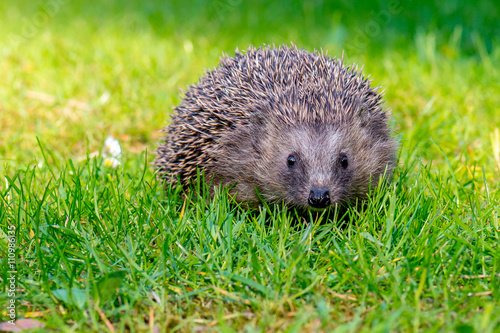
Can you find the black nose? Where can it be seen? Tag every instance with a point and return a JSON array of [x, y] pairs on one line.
[[319, 198]]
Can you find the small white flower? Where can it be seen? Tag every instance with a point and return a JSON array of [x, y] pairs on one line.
[[112, 152], [111, 162]]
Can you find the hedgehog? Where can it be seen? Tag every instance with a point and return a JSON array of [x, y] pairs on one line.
[[281, 125]]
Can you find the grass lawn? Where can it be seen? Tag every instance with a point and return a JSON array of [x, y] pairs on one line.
[[101, 249]]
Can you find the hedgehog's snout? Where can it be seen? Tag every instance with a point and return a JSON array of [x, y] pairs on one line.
[[319, 198]]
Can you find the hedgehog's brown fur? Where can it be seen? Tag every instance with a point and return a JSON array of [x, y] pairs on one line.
[[242, 122]]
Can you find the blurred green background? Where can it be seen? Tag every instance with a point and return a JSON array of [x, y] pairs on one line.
[[74, 72]]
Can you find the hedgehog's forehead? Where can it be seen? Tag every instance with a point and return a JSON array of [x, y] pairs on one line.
[[312, 136]]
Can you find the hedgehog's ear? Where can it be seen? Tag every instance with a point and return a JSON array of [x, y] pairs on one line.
[[363, 113], [259, 120]]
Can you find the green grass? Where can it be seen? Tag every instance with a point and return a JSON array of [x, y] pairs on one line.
[[98, 246]]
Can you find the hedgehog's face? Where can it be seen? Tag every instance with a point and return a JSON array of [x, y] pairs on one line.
[[320, 166]]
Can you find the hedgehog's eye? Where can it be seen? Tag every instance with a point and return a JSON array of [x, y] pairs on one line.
[[291, 161], [344, 162]]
